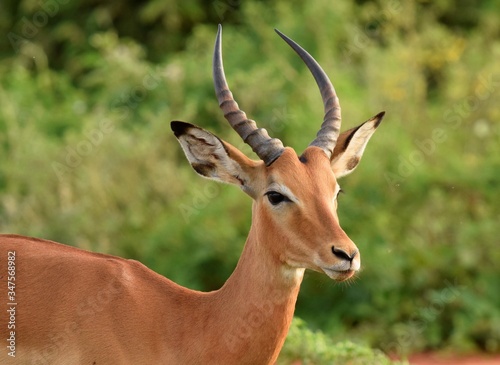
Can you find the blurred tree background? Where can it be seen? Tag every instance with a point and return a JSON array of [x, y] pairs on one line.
[[88, 88]]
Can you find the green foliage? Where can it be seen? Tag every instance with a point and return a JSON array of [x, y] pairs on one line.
[[307, 347], [87, 157]]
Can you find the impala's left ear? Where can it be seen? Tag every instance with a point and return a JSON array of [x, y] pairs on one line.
[[351, 145]]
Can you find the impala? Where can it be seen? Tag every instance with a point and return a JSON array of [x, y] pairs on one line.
[[71, 306]]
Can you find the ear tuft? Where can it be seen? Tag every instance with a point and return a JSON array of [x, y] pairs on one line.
[[378, 119], [179, 128]]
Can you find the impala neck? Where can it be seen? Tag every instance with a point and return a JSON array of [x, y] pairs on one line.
[[260, 296]]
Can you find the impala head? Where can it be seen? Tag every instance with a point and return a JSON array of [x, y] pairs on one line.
[[295, 197]]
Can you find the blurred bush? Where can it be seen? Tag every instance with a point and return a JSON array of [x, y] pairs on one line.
[[306, 347], [88, 158]]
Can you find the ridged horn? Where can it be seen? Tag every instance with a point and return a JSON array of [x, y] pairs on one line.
[[330, 128], [268, 149]]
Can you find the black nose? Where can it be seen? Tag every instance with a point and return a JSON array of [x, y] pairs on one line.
[[341, 254]]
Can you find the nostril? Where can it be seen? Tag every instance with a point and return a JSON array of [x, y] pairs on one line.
[[342, 254]]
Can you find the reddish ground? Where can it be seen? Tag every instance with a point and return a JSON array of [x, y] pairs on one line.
[[434, 359]]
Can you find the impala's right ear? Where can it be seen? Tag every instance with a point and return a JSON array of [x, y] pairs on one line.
[[215, 159]]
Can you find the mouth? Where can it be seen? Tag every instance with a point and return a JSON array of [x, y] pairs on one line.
[[339, 275]]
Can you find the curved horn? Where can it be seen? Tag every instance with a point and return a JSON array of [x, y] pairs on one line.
[[268, 149], [330, 129]]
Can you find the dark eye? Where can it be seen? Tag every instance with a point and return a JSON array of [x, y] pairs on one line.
[[275, 198]]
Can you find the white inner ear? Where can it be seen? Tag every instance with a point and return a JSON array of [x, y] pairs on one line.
[[209, 158], [201, 146], [347, 161]]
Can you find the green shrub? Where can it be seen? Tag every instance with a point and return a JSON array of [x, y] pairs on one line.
[[307, 347]]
